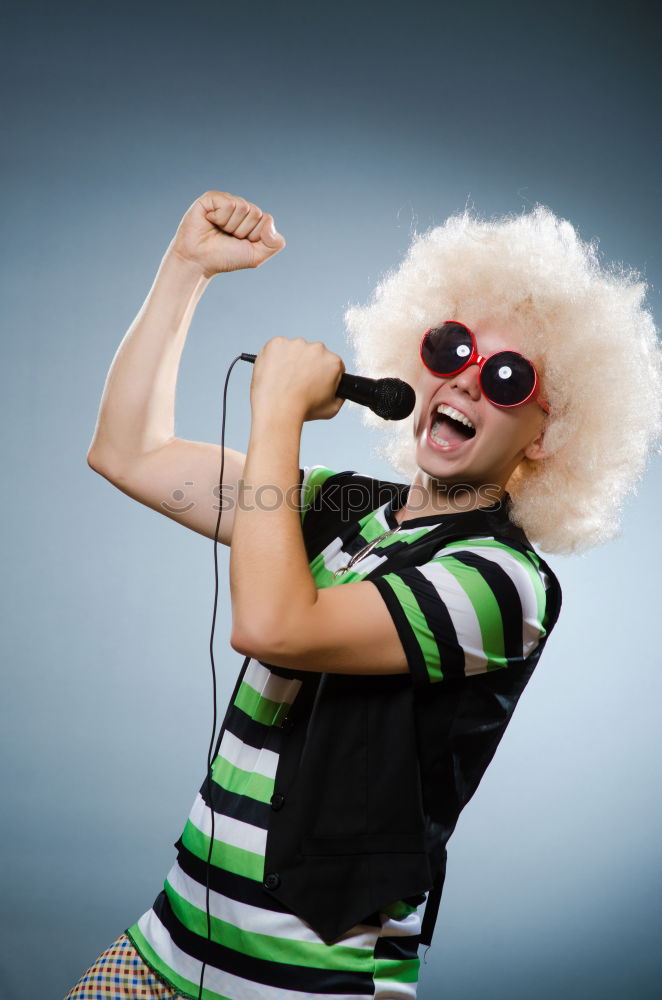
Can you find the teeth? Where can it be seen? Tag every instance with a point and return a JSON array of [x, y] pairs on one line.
[[449, 411], [438, 440]]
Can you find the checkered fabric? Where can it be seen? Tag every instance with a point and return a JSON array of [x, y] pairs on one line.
[[120, 974]]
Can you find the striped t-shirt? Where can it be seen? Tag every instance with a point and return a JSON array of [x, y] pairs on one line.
[[477, 605]]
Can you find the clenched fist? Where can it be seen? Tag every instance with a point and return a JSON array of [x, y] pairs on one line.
[[222, 232]]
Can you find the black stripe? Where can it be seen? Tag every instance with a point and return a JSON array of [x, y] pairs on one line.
[[438, 620], [397, 948], [415, 659], [279, 975], [392, 546], [255, 734], [236, 806], [507, 597], [243, 890]]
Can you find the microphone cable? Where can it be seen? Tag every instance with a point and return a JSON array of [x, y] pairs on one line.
[[212, 741], [390, 398]]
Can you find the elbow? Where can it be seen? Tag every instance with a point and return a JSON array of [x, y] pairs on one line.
[[97, 460], [240, 642], [260, 640], [104, 464], [94, 460]]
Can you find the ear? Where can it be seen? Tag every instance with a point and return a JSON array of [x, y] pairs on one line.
[[535, 450]]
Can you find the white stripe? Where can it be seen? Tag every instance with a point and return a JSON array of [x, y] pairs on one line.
[[361, 566], [386, 989], [307, 472], [248, 758], [227, 830], [531, 626], [223, 983], [335, 557], [462, 613], [409, 925], [270, 685], [255, 920]]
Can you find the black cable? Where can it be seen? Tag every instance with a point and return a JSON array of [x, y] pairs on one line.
[[210, 752]]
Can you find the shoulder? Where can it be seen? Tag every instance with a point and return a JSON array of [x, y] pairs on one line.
[[331, 500], [323, 486]]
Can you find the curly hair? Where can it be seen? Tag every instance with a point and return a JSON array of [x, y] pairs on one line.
[[584, 325]]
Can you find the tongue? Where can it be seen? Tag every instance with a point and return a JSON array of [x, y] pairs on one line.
[[448, 430]]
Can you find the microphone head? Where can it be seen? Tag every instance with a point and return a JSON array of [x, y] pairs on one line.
[[394, 399]]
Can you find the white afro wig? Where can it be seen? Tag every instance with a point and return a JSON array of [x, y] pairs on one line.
[[584, 326]]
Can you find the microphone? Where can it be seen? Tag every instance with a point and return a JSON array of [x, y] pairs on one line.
[[389, 398]]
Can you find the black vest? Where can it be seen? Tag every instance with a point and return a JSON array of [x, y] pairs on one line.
[[374, 772]]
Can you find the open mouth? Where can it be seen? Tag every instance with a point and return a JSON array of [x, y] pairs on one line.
[[449, 428]]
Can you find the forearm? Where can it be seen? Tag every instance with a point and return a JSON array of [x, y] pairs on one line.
[[270, 582], [137, 411]]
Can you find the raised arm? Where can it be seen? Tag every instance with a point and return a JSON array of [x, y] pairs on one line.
[[134, 444]]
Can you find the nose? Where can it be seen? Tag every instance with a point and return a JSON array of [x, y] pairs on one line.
[[468, 381]]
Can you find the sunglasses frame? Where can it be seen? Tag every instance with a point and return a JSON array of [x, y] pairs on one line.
[[479, 359]]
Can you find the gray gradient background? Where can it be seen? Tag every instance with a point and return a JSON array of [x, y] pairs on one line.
[[355, 124]]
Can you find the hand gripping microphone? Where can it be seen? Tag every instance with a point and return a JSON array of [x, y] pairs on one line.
[[389, 398]]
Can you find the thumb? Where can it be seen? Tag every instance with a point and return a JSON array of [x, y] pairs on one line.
[[269, 235]]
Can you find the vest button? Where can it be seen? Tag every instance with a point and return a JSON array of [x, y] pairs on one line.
[[272, 881], [277, 801], [287, 724]]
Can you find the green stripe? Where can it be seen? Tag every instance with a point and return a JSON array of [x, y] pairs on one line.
[[486, 608], [258, 707], [266, 947], [232, 859], [317, 476], [403, 970], [156, 963], [321, 575], [324, 577], [370, 527], [234, 779], [417, 620], [398, 910], [538, 586]]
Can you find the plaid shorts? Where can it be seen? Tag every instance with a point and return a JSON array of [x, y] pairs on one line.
[[120, 974]]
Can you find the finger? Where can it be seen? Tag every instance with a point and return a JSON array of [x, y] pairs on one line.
[[268, 235], [218, 207], [229, 213], [241, 210], [256, 232], [249, 223]]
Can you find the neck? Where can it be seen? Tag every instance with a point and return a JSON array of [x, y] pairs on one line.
[[428, 497]]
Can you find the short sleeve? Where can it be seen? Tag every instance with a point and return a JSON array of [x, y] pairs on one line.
[[331, 501], [311, 480], [476, 606]]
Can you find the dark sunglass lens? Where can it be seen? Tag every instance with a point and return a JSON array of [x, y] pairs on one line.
[[446, 348], [508, 378]]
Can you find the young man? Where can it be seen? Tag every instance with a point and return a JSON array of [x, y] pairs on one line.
[[388, 629]]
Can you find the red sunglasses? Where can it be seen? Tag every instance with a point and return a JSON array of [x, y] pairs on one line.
[[507, 378]]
